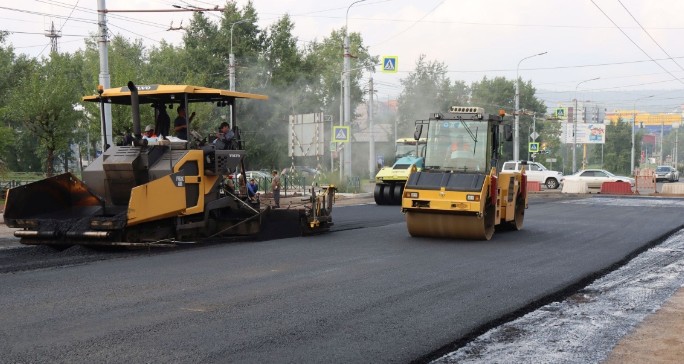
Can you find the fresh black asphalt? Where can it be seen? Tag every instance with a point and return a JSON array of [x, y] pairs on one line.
[[367, 292]]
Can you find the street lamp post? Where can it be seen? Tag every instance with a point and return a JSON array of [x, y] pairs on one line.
[[516, 127], [632, 162], [675, 149], [662, 139], [347, 91], [574, 128]]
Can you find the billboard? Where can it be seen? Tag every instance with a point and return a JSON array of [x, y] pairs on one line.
[[306, 135], [589, 133]]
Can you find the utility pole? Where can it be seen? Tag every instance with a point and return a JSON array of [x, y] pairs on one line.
[[534, 129], [340, 156], [574, 130], [347, 93], [675, 126], [634, 120], [662, 130], [103, 43], [347, 104], [371, 140], [516, 123], [231, 70], [231, 56]]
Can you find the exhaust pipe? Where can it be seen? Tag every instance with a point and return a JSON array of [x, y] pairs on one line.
[[135, 109]]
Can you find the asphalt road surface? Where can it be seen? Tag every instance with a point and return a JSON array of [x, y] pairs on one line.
[[366, 292]]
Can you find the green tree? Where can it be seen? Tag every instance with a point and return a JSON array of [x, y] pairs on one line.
[[166, 65], [13, 71], [618, 147], [427, 89], [499, 93], [49, 113], [324, 65], [280, 67]]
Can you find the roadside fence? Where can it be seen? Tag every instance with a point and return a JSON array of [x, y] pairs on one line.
[[354, 184]]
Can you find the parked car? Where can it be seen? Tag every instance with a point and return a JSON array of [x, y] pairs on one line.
[[257, 175], [301, 171], [666, 173], [536, 172], [595, 177]]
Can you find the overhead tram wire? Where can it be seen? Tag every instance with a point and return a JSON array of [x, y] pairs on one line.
[[42, 45], [561, 67], [410, 26], [43, 33], [81, 20], [604, 78], [489, 25], [635, 44], [614, 87], [134, 33], [89, 21], [109, 15], [650, 36]]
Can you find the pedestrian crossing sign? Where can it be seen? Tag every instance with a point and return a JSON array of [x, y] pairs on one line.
[[533, 147], [341, 134], [389, 64]]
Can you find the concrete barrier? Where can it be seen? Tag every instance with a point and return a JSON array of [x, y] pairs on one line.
[[574, 187], [673, 189], [533, 186], [616, 188], [645, 182]]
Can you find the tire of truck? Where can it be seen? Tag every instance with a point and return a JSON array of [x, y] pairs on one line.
[[378, 194], [398, 192], [552, 183], [387, 195]]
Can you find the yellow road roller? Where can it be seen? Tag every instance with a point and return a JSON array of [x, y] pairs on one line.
[[459, 194]]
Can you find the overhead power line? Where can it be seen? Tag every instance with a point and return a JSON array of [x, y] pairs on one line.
[[410, 26], [94, 11], [43, 33], [82, 20], [635, 44], [650, 36]]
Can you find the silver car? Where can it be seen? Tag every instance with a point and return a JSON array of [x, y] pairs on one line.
[[666, 173]]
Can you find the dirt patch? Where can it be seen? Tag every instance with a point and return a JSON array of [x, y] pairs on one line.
[[657, 340]]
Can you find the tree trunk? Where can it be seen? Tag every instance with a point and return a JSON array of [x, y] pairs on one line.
[[49, 168]]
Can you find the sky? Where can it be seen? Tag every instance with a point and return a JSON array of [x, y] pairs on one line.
[[631, 46]]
